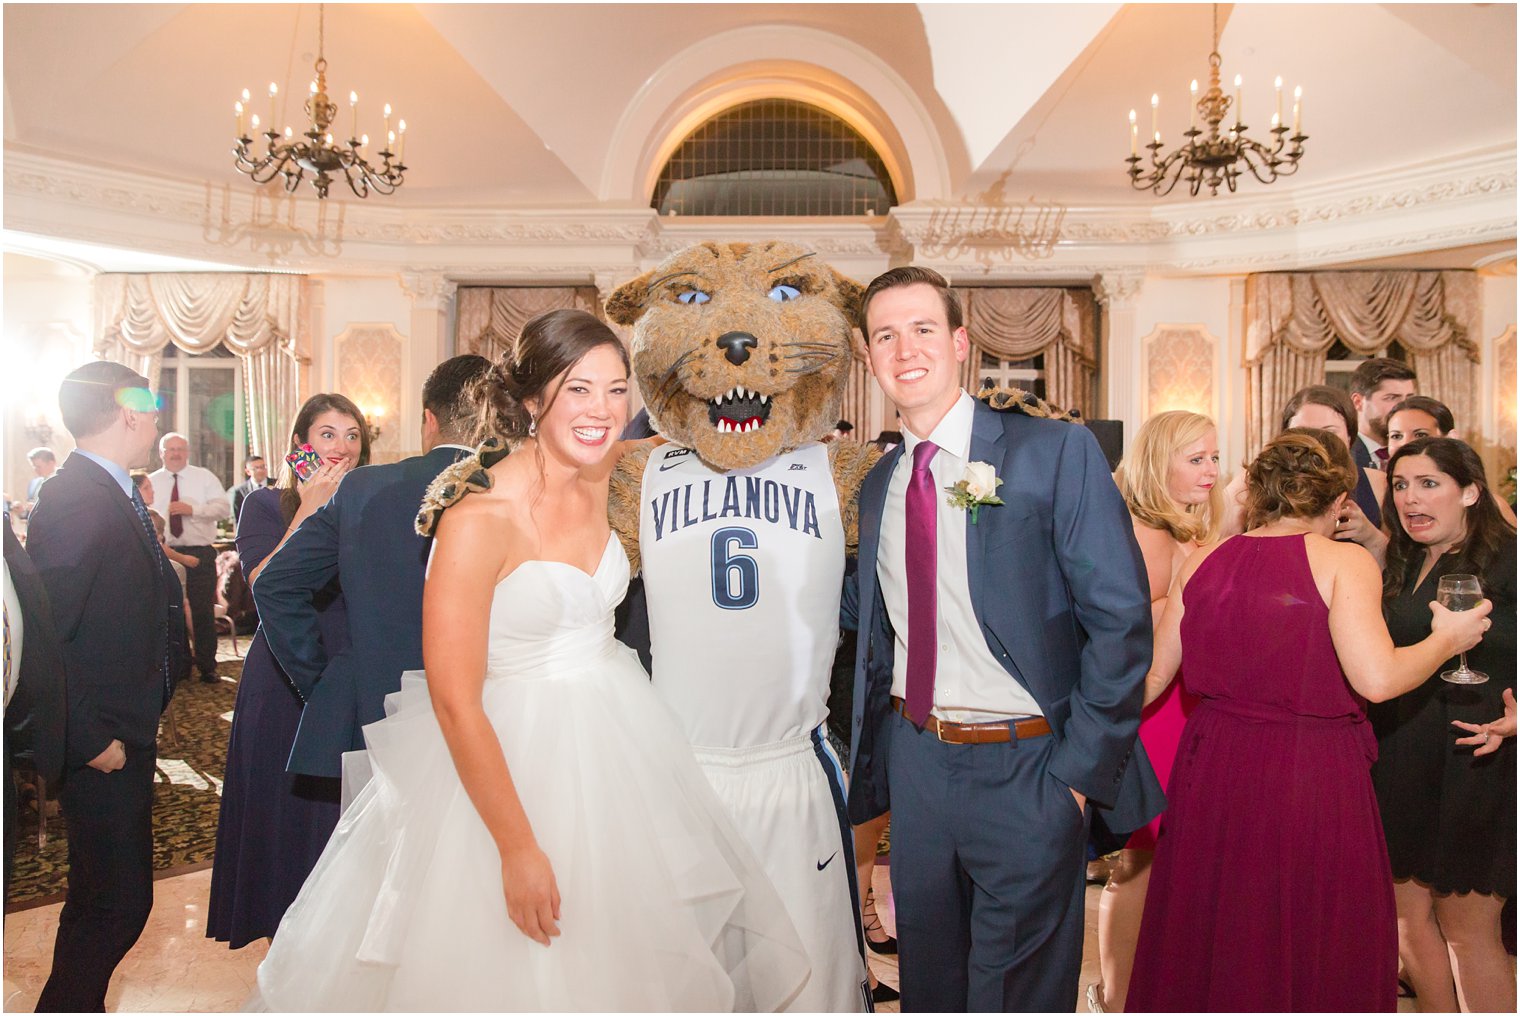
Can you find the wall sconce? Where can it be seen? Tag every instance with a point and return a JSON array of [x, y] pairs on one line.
[[373, 417]]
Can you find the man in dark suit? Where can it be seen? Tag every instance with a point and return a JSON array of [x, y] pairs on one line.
[[1377, 385], [365, 536], [34, 693], [116, 604], [1000, 670], [256, 471]]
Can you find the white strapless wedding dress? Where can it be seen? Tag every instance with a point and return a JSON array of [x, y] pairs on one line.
[[662, 905]]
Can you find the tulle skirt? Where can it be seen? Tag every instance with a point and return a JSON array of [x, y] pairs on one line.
[[662, 905]]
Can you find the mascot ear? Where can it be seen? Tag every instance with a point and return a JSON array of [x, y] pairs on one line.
[[845, 294], [627, 303]]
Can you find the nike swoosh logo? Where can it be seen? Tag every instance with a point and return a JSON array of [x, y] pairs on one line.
[[824, 864]]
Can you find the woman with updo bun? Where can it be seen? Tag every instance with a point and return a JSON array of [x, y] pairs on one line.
[[536, 835], [1271, 889]]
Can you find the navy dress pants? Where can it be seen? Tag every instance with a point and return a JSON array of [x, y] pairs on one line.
[[110, 827], [988, 875]]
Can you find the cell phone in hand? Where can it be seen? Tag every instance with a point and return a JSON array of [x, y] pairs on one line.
[[305, 461]]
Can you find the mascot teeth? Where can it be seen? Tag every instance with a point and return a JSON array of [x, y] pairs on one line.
[[739, 411]]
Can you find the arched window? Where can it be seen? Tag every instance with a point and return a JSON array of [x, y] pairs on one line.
[[774, 157]]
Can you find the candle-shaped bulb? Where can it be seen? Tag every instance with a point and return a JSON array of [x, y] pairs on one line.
[[328, 137], [353, 98], [313, 88], [387, 109], [1193, 87], [1277, 83], [1131, 118], [390, 139], [287, 133], [1298, 92], [1237, 81], [245, 95], [363, 140], [401, 127], [237, 107], [255, 123], [1155, 101], [274, 89]]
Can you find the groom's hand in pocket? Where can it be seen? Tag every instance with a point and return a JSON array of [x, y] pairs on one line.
[[532, 895]]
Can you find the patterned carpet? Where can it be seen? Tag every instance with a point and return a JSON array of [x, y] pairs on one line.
[[186, 798]]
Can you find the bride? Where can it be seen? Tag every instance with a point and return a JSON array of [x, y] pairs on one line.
[[535, 834]]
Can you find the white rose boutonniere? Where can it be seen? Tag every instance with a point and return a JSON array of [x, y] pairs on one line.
[[975, 489]]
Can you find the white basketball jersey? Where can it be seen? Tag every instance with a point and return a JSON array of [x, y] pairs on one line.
[[742, 572]]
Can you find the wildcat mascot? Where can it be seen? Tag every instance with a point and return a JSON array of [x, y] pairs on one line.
[[742, 524]]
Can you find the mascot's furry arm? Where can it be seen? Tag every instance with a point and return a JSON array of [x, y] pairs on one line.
[[623, 500], [851, 462]]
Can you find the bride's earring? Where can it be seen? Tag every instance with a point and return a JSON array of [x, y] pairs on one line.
[[532, 426]]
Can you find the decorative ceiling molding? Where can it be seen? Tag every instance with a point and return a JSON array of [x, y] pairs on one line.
[[1460, 201]]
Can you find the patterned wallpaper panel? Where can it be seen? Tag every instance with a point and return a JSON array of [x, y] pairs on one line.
[[1179, 370], [369, 369]]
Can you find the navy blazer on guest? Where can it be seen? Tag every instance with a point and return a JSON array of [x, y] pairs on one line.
[[1059, 588], [109, 587], [365, 538]]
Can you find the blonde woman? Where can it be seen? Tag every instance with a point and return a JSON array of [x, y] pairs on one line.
[[1170, 481]]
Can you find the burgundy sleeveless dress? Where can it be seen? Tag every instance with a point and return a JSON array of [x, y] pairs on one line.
[[1271, 889]]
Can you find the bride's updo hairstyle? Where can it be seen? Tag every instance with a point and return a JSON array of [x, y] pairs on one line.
[[1298, 475], [549, 345]]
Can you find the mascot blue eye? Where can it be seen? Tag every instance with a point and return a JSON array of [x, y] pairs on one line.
[[693, 296], [784, 293]]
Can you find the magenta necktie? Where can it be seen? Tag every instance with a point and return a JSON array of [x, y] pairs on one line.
[[922, 556]]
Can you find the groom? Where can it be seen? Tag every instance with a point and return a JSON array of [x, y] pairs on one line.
[[999, 673]]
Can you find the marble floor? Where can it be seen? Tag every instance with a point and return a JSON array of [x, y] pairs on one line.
[[174, 968]]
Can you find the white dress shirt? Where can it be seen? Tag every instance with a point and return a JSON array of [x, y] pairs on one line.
[[970, 685], [199, 488]]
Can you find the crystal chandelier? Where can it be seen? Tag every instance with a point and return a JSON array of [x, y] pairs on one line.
[[1210, 157], [318, 153]]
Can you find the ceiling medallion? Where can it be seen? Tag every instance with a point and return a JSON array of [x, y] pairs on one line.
[[319, 154], [1210, 157]]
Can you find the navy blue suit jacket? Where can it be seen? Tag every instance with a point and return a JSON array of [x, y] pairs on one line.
[[365, 538], [1059, 588], [109, 588]]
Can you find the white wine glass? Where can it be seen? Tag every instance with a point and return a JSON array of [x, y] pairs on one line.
[[1460, 592]]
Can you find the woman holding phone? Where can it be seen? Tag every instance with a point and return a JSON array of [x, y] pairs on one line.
[[274, 824]]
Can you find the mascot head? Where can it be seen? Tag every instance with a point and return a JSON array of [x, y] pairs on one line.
[[741, 350]]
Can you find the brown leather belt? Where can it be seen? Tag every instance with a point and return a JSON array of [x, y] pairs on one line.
[[980, 733]]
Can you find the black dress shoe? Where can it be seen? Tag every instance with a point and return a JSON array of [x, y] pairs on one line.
[[211, 678], [884, 992]]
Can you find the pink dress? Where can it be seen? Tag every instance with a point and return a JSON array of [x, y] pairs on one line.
[[1160, 732], [1271, 889]]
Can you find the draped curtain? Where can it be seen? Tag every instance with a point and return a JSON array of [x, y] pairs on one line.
[[491, 317], [1293, 318], [257, 317], [1020, 323]]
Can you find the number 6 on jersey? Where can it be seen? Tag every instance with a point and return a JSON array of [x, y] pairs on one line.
[[735, 577]]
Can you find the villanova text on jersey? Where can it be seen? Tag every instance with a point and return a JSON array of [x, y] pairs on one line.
[[739, 497]]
